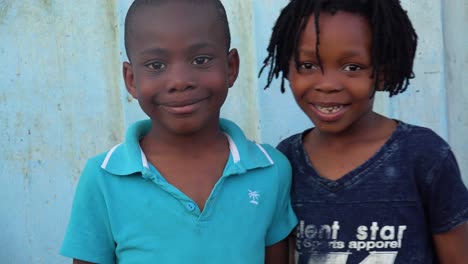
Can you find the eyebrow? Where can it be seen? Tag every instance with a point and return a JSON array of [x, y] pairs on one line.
[[153, 51]]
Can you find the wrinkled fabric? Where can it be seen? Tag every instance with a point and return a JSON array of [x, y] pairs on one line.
[[385, 210]]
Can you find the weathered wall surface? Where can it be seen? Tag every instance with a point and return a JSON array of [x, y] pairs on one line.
[[58, 91], [62, 100], [454, 22]]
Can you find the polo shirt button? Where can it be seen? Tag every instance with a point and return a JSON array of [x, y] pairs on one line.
[[190, 206]]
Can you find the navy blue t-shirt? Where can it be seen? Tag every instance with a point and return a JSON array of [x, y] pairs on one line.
[[384, 211]]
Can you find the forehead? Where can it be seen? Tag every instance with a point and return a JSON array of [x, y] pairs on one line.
[[339, 29], [175, 23]]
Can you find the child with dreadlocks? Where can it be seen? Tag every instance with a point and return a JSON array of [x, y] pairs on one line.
[[366, 188]]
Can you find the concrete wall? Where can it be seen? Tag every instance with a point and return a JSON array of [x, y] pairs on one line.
[[62, 100]]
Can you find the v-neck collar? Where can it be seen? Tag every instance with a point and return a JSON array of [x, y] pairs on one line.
[[356, 174]]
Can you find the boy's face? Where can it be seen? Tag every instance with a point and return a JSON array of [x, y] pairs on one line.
[[339, 98], [180, 69]]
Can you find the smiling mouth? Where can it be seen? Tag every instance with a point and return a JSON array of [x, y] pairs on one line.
[[329, 110], [182, 108]]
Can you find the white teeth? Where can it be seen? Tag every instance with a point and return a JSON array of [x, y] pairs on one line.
[[329, 110]]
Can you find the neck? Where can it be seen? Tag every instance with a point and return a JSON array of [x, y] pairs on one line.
[[163, 142], [369, 128]]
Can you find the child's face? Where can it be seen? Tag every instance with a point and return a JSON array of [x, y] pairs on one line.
[[180, 69], [338, 98]]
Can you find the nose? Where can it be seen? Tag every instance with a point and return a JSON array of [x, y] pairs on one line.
[[328, 82], [180, 78]]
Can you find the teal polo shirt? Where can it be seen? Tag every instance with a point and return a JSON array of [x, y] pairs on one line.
[[124, 211]]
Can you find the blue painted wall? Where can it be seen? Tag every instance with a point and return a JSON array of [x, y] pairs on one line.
[[62, 100]]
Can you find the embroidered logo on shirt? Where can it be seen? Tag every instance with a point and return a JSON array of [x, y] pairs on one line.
[[254, 196]]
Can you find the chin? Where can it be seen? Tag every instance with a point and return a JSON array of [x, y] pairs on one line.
[[184, 129], [330, 128], [187, 127]]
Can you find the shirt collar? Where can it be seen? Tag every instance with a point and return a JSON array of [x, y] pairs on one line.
[[127, 158]]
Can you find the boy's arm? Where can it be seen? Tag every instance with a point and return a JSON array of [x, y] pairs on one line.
[[277, 253], [89, 236], [292, 257], [452, 246], [284, 219]]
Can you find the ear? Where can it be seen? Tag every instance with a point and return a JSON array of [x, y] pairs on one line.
[[129, 79], [233, 66]]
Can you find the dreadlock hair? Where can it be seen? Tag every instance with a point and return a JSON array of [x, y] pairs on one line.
[[394, 39], [139, 4]]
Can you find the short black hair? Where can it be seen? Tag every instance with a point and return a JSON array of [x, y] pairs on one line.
[[138, 4], [394, 39]]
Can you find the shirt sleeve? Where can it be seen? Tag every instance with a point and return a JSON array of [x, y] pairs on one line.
[[88, 236], [448, 197], [284, 218]]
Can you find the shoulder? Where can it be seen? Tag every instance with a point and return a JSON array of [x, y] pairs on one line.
[[427, 154], [422, 137], [420, 142], [250, 154], [99, 159], [421, 145], [125, 158], [92, 173], [121, 159], [291, 144], [276, 156]]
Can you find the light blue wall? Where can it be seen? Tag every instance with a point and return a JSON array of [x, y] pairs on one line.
[[62, 100], [455, 21], [59, 75]]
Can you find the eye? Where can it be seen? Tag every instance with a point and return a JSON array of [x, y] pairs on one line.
[[157, 66], [307, 66], [201, 60], [352, 67]]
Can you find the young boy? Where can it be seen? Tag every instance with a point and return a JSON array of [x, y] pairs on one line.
[[184, 186]]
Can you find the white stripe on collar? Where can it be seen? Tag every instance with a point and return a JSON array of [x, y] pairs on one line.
[[108, 156], [143, 159], [264, 152], [233, 149]]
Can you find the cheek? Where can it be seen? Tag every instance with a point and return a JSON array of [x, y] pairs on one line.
[[211, 77], [299, 84], [363, 90], [143, 93]]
